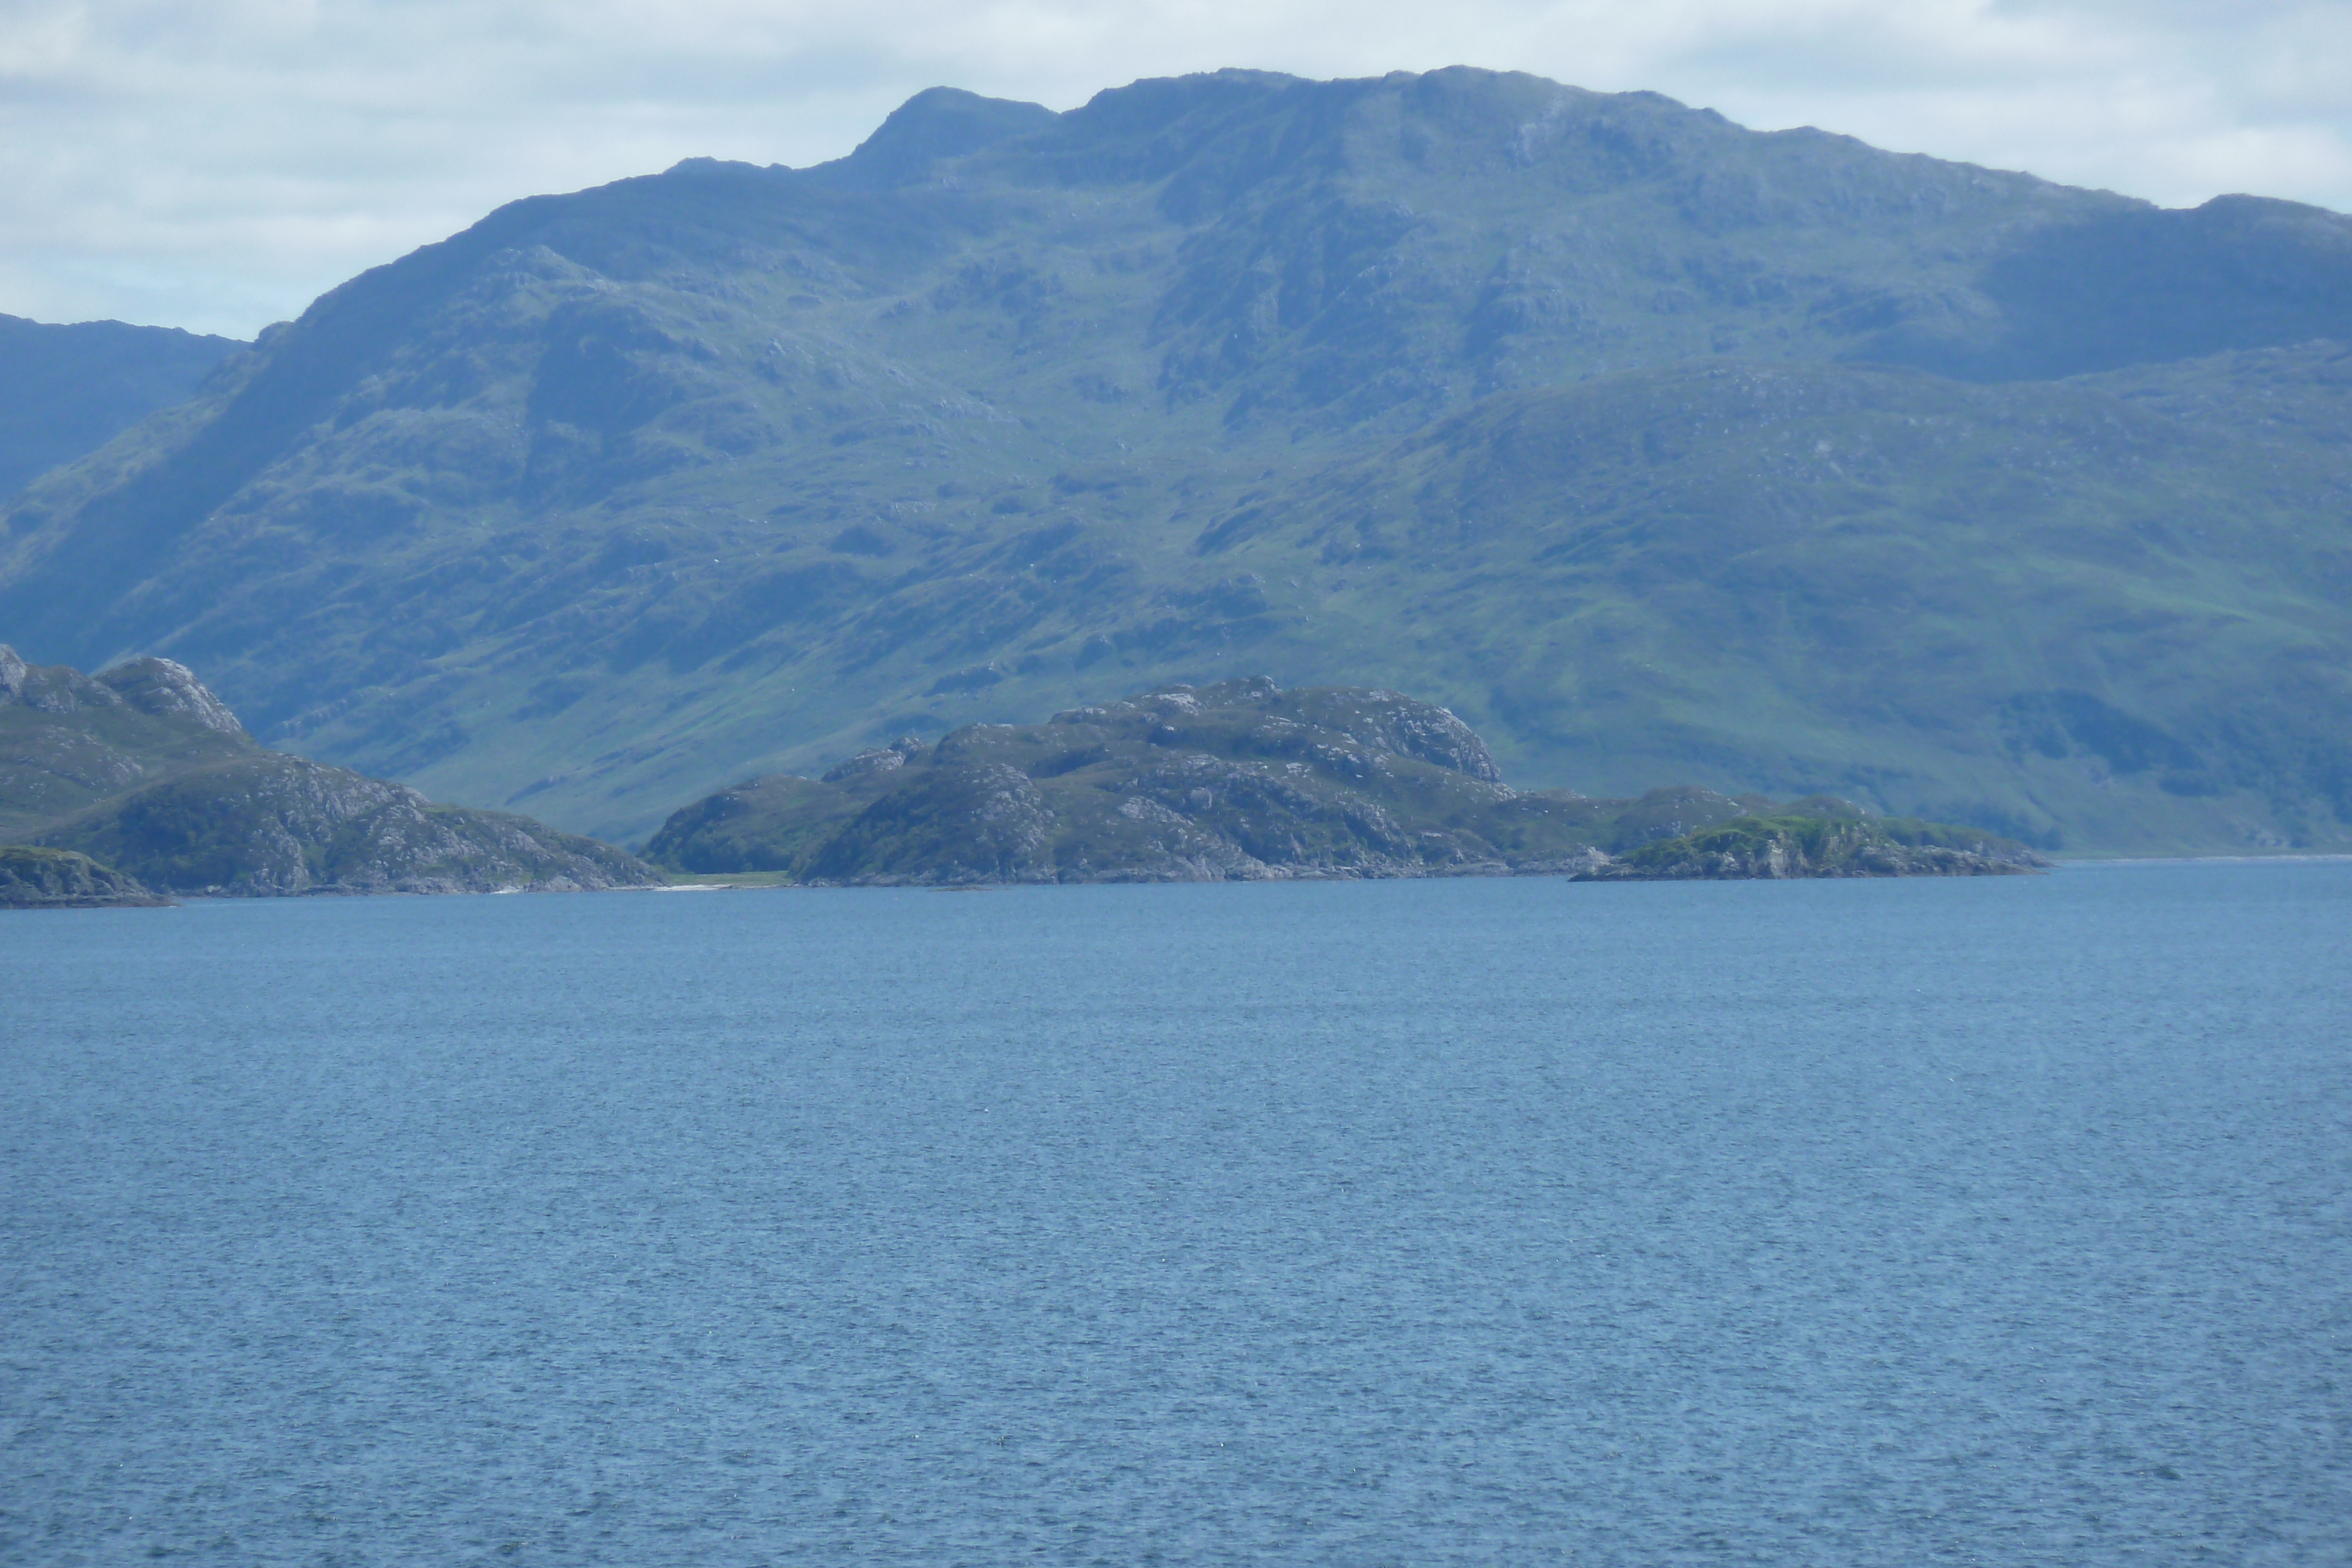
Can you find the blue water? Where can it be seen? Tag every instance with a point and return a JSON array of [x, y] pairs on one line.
[[2002, 1221]]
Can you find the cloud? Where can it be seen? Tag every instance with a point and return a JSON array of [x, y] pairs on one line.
[[217, 166]]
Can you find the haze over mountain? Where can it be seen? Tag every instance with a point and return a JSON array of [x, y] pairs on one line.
[[1658, 449], [66, 391]]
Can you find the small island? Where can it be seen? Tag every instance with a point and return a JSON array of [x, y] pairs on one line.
[[1244, 780]]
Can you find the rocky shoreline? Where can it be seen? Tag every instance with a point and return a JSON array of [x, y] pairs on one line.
[[138, 783], [35, 878]]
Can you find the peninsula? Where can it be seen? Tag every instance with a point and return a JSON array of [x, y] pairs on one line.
[[137, 782]]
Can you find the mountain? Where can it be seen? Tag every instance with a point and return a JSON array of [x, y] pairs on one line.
[[144, 776], [1653, 447], [66, 391], [1244, 781]]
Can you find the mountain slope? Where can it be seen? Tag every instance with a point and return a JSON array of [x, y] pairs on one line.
[[617, 496], [66, 391], [2089, 613]]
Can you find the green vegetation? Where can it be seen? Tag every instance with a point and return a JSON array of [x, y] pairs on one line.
[[141, 768], [35, 878], [2085, 615], [1653, 446], [1244, 781]]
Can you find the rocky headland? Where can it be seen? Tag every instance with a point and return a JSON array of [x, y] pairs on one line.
[[1244, 780], [146, 777], [33, 878]]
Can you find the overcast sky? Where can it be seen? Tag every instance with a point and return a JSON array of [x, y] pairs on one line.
[[217, 165]]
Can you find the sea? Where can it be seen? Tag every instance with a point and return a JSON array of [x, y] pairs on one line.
[[1999, 1221]]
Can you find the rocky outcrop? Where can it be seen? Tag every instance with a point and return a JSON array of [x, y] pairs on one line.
[[273, 824], [158, 687], [144, 770], [1239, 781], [1242, 780], [35, 878], [69, 741], [169, 690], [955, 822], [878, 761], [50, 688]]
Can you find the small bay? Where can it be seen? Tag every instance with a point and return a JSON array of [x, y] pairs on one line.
[[2001, 1220]]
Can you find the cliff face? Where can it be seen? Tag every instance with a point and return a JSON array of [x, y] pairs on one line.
[[141, 769], [1238, 781]]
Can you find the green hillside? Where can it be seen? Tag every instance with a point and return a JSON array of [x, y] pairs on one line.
[[2088, 614], [1582, 413]]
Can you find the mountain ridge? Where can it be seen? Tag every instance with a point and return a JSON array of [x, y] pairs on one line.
[[617, 496], [67, 389]]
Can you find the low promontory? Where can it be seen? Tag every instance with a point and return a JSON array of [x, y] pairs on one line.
[[1245, 780], [35, 878], [143, 773]]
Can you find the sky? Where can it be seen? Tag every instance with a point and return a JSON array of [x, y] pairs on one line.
[[218, 165]]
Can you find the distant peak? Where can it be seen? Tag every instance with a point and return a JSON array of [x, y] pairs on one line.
[[2241, 209], [938, 122]]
